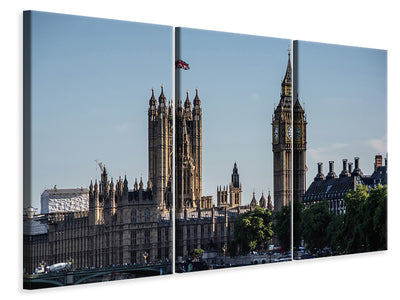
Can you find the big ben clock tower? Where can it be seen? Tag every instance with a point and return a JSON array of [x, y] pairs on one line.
[[299, 151], [282, 138]]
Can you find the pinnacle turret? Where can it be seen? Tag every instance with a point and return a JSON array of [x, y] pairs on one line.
[[253, 202], [162, 99], [196, 100], [188, 105], [152, 101]]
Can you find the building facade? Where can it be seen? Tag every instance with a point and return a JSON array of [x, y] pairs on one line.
[[333, 187], [188, 159]]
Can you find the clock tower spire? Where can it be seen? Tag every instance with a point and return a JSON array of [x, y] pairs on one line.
[[282, 138]]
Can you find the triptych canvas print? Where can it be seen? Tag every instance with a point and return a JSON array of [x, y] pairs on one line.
[[146, 158]]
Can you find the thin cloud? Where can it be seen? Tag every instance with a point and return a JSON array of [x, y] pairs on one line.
[[378, 145]]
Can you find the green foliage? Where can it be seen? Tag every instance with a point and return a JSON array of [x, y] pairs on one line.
[[365, 219], [298, 207], [315, 221], [253, 229], [335, 237], [196, 253], [282, 227], [362, 228]]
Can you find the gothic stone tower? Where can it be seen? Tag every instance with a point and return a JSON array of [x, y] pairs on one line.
[[299, 151], [160, 149], [235, 191], [188, 155], [282, 135]]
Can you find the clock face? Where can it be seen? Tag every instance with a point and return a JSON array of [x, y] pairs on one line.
[[297, 133], [290, 133], [276, 133]]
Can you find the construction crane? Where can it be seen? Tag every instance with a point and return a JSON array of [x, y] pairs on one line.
[[100, 164]]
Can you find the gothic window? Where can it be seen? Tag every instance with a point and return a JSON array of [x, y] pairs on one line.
[[188, 233], [147, 215], [166, 234], [133, 216], [121, 238], [133, 238], [147, 237]]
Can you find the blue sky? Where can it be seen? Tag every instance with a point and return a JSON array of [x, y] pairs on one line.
[[238, 77], [344, 91], [91, 82], [92, 79]]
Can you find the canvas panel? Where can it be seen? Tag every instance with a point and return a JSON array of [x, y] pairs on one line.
[[93, 211], [228, 94], [344, 209]]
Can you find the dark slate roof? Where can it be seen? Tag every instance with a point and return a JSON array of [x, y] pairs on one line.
[[334, 188], [380, 176]]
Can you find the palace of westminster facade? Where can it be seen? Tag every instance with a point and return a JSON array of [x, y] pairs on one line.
[[124, 226]]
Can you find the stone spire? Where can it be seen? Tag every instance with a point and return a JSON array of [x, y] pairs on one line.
[[196, 100], [286, 88], [188, 105], [152, 101], [270, 207], [253, 202], [263, 201], [235, 176], [162, 99]]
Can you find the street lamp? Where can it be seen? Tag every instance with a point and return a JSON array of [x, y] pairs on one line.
[[224, 249], [145, 255]]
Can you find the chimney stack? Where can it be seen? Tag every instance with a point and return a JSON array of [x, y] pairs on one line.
[[320, 175], [344, 172], [331, 173], [357, 170], [378, 161]]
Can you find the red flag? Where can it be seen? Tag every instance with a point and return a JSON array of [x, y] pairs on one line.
[[180, 64]]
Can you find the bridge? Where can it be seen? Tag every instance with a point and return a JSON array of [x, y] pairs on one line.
[[63, 278]]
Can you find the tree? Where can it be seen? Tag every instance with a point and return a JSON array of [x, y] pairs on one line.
[[365, 221], [362, 228], [253, 229], [282, 227], [315, 221], [379, 225], [335, 238], [353, 231], [196, 254], [298, 208]]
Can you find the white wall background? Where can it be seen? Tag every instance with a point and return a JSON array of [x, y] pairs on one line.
[[359, 23]]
